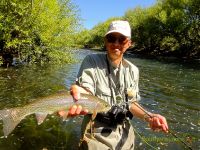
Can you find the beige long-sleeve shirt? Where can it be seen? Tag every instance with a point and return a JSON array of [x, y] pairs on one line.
[[94, 76]]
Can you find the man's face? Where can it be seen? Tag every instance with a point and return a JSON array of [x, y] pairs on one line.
[[116, 45]]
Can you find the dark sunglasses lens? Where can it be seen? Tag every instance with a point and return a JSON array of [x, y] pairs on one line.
[[113, 39], [121, 39]]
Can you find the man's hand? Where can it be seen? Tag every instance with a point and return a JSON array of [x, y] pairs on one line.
[[157, 123], [75, 110]]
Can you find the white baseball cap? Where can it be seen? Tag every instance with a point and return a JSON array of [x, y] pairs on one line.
[[121, 27]]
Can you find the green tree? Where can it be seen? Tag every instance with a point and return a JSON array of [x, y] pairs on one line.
[[14, 28], [167, 28], [37, 31], [146, 28], [82, 39]]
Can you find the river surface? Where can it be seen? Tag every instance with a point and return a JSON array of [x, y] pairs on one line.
[[168, 87]]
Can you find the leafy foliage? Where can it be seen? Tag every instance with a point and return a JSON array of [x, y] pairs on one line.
[[36, 31], [167, 28]]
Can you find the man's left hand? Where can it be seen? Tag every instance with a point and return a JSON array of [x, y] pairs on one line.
[[158, 122]]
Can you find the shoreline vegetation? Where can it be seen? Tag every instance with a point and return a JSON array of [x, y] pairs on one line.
[[40, 32], [168, 59]]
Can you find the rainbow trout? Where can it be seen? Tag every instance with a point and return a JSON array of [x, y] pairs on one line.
[[41, 107]]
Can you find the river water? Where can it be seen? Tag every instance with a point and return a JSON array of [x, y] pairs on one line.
[[167, 87]]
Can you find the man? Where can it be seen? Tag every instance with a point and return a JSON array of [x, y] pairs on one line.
[[114, 79]]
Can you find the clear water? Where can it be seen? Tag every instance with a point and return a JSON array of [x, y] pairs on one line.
[[167, 87]]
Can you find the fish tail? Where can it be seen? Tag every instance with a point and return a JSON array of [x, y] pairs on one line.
[[11, 118]]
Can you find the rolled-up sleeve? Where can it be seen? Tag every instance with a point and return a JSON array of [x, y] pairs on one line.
[[86, 75]]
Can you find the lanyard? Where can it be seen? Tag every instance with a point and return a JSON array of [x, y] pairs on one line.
[[109, 82], [109, 79]]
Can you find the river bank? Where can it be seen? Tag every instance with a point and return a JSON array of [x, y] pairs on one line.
[[195, 62]]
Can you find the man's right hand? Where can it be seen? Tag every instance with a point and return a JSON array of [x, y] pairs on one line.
[[75, 110]]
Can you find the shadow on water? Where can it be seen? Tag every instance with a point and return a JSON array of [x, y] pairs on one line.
[[186, 63], [166, 87]]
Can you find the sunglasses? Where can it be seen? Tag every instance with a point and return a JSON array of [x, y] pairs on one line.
[[112, 39]]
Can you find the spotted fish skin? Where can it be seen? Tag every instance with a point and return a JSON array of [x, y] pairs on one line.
[[43, 106]]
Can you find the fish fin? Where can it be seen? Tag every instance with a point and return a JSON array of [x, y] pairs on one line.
[[40, 117], [94, 114], [11, 118], [65, 116]]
